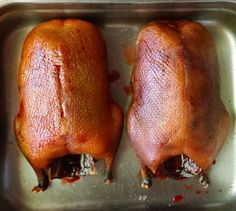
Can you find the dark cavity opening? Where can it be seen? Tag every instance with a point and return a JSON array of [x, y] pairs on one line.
[[72, 166], [178, 167]]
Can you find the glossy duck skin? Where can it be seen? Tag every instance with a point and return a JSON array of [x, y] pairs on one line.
[[176, 107], [65, 104]]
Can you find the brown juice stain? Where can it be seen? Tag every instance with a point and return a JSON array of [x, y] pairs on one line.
[[187, 187], [128, 90], [178, 198], [198, 192], [69, 180], [129, 53], [114, 76]]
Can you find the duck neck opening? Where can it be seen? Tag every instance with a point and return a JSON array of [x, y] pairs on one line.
[[178, 167], [72, 166]]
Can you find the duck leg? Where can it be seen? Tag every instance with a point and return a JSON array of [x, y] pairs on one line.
[[146, 178], [108, 170], [43, 180], [203, 180]]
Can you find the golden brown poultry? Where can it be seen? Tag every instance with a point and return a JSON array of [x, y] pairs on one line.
[[65, 103], [177, 121]]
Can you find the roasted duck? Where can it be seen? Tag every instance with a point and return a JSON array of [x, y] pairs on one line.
[[176, 121], [65, 105]]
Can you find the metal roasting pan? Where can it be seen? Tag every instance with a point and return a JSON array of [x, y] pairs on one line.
[[119, 22]]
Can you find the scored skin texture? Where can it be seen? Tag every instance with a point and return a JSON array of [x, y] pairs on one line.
[[176, 106], [65, 103]]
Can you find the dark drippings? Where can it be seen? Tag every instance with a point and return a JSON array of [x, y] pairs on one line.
[[69, 180], [197, 192], [129, 53], [178, 198], [114, 76], [128, 90], [187, 187]]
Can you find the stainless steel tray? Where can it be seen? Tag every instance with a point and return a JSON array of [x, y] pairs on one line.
[[119, 23]]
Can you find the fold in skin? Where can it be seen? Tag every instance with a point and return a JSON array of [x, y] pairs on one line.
[[65, 104], [176, 106]]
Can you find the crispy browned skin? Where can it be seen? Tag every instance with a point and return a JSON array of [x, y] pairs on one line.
[[65, 103], [176, 106]]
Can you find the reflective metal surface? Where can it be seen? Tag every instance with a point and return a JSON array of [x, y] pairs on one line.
[[119, 23]]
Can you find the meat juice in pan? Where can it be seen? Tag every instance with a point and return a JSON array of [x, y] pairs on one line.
[[66, 118], [176, 122]]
